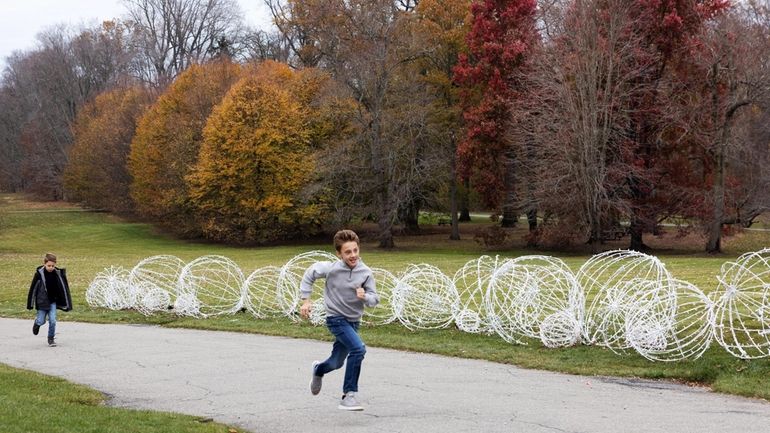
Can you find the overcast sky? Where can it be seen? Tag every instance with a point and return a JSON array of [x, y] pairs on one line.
[[21, 20]]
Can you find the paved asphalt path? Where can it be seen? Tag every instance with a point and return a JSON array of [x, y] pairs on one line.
[[260, 383]]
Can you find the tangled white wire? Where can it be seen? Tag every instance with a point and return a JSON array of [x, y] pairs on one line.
[[619, 299], [382, 314], [110, 289], [471, 282], [217, 284], [616, 283], [535, 297], [261, 295], [676, 328], [742, 306], [154, 280], [290, 277], [425, 298]]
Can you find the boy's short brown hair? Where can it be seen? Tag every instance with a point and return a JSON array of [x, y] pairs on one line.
[[343, 236], [49, 257]]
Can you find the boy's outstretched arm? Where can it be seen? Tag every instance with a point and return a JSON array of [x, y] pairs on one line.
[[314, 272]]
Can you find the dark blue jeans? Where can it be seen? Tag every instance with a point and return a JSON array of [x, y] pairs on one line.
[[347, 344], [51, 313]]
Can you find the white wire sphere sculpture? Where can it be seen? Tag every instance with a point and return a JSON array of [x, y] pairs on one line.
[[151, 298], [471, 282], [553, 309], [535, 297], [506, 288], [382, 314], [660, 334], [742, 306], [261, 293], [425, 298], [290, 276], [155, 280], [217, 284], [110, 289], [615, 283]]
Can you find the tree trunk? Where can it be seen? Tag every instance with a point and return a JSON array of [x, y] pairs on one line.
[[455, 235], [409, 217], [510, 215], [465, 211], [636, 230], [532, 219]]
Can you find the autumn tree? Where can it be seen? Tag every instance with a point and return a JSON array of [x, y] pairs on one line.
[[96, 174], [256, 160], [440, 30], [578, 113], [168, 140], [501, 36], [44, 89], [363, 44], [669, 29], [734, 90]]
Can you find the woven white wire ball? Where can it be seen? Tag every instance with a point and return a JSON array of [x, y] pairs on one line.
[[216, 282], [660, 335], [261, 293], [742, 306], [425, 298], [552, 309], [153, 276], [471, 282], [290, 276], [615, 283], [505, 289], [535, 297], [110, 289], [187, 304], [382, 314], [151, 298]]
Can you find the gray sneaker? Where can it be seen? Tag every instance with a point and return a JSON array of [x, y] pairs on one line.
[[349, 402], [315, 381]]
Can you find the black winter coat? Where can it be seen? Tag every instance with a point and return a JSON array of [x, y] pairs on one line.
[[38, 294]]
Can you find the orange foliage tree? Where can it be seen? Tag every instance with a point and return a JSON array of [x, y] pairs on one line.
[[256, 163], [168, 140], [96, 173]]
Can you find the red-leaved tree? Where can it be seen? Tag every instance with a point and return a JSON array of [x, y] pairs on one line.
[[502, 34], [669, 29]]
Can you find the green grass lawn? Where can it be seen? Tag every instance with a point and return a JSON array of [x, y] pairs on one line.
[[87, 243]]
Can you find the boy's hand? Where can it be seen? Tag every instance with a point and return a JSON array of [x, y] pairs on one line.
[[304, 310], [360, 292]]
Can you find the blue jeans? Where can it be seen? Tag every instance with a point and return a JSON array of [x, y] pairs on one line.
[[40, 319], [346, 345]]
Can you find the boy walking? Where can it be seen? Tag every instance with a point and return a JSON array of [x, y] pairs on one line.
[[48, 292], [349, 286]]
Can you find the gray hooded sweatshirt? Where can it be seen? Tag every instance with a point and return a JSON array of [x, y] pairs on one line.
[[340, 289]]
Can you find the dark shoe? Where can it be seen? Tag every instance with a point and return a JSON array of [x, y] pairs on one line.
[[51, 342], [35, 328], [315, 381]]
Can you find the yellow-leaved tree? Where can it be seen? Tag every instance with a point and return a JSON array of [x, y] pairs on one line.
[[96, 173], [168, 140], [253, 180]]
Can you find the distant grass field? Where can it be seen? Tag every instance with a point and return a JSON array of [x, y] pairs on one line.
[[87, 243]]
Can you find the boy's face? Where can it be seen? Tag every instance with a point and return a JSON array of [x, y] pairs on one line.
[[349, 253], [49, 266]]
